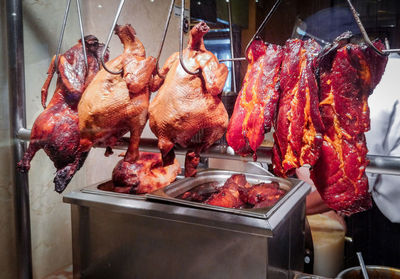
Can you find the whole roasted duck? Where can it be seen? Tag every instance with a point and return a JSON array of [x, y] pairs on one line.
[[113, 105], [256, 103], [186, 104], [56, 129], [298, 125], [348, 75]]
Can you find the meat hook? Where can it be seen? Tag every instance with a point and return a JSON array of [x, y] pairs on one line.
[[60, 39], [163, 38], [121, 4], [257, 33], [384, 52], [231, 43], [181, 43]]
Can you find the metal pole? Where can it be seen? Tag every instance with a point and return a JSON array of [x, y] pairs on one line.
[[16, 87], [231, 41]]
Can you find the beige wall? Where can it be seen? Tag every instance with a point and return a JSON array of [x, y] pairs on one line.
[[50, 217]]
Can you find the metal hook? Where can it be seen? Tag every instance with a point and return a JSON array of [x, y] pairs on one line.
[[231, 43], [266, 19], [260, 28], [362, 29], [121, 3], [164, 35], [78, 8], [60, 39], [181, 43]]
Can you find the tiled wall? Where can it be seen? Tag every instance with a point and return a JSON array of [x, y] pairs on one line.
[[50, 217]]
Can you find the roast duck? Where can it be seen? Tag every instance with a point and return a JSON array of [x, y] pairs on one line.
[[56, 128], [320, 118], [113, 105], [187, 104]]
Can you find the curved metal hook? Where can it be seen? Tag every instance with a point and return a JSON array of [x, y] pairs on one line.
[[60, 39], [121, 3], [78, 8], [181, 43], [362, 30], [171, 7], [266, 19]]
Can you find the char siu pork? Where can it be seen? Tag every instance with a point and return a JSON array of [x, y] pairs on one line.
[[56, 129], [256, 103], [186, 104], [348, 75], [298, 126]]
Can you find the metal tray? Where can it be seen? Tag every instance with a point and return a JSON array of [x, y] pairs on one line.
[[94, 189], [172, 191]]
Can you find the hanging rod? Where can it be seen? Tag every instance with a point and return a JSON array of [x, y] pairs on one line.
[[61, 37], [257, 33], [379, 164], [121, 4], [171, 7], [181, 43], [367, 40]]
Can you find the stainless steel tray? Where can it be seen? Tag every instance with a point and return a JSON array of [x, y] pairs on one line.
[[172, 191], [94, 189]]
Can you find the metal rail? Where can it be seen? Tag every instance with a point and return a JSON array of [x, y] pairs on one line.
[[378, 163], [231, 41], [16, 89]]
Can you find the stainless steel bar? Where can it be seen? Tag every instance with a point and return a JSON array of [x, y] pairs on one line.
[[231, 41], [181, 42], [171, 7], [378, 163], [16, 89], [78, 8], [121, 4], [233, 59], [60, 39]]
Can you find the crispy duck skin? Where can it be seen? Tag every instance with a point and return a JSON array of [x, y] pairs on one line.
[[56, 129], [113, 105], [146, 175], [348, 75], [186, 104], [264, 194], [232, 194], [298, 127], [256, 103]]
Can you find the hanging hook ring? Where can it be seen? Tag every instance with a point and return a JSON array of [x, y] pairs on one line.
[[121, 4], [181, 43], [171, 7], [78, 8], [362, 30], [60, 39]]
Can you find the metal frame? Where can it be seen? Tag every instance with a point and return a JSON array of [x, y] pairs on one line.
[[16, 89]]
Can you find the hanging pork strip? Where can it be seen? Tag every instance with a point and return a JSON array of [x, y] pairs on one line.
[[348, 74], [298, 125]]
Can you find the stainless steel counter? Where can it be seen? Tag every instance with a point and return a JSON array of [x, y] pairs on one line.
[[121, 236]]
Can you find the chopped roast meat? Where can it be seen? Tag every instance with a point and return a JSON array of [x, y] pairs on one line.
[[146, 175], [200, 193], [113, 105], [264, 194], [298, 127], [256, 103], [348, 75], [56, 129], [228, 195], [186, 104]]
